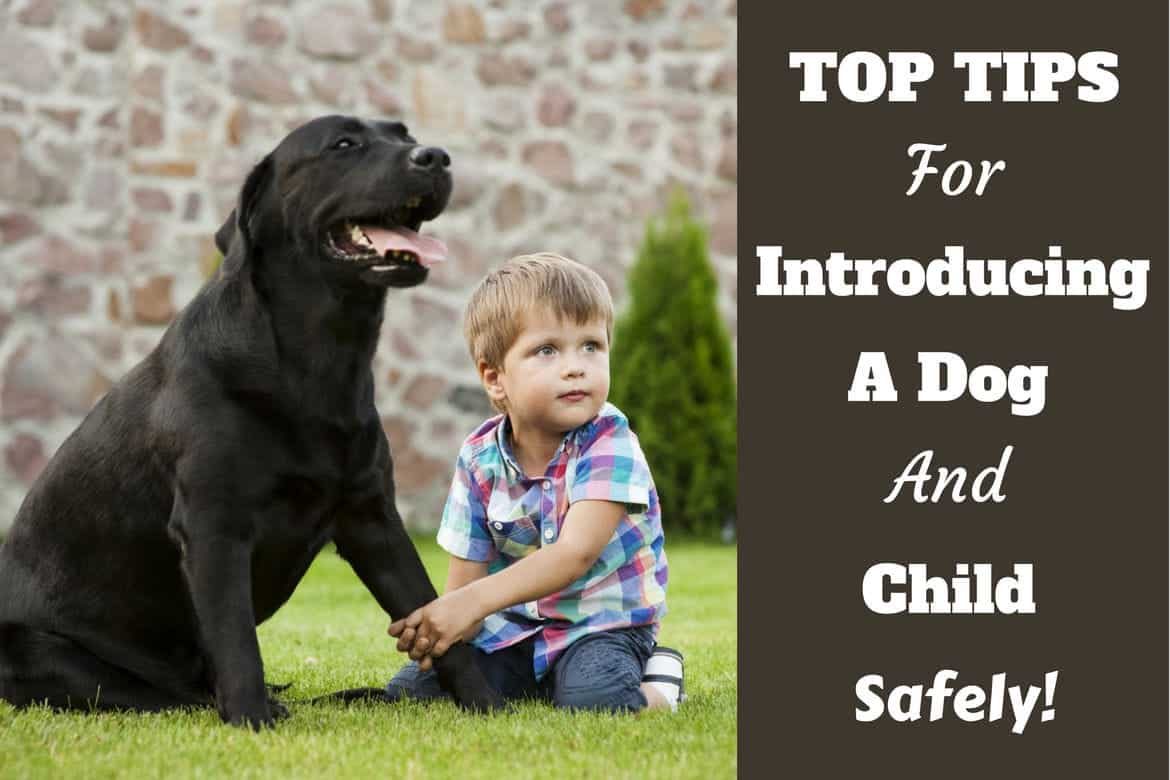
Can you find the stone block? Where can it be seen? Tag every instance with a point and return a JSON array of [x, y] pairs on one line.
[[600, 49], [556, 18], [463, 24], [495, 68], [146, 128], [506, 113], [48, 296], [155, 32], [265, 82], [152, 301], [54, 253], [265, 30], [723, 222], [724, 79], [104, 189], [727, 166], [337, 32], [414, 49], [383, 102], [597, 126], [178, 169], [555, 106], [24, 183], [25, 457], [424, 390], [511, 30], [38, 13], [642, 133], [106, 37], [25, 64], [49, 376], [552, 160], [16, 226], [641, 10], [151, 199]]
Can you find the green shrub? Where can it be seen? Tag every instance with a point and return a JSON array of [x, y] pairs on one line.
[[672, 374]]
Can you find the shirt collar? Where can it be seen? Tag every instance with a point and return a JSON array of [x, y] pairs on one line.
[[503, 441], [506, 447]]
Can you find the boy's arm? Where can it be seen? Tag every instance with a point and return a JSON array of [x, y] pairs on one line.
[[433, 628], [460, 572]]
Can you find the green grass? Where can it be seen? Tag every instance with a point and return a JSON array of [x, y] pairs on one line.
[[331, 635]]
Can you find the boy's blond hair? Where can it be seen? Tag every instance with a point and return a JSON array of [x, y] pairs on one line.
[[495, 313]]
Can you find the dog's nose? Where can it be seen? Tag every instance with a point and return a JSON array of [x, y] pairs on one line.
[[429, 157]]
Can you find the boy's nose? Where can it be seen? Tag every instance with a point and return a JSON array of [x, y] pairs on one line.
[[574, 369]]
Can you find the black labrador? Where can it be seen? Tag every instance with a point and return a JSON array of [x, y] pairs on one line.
[[189, 503]]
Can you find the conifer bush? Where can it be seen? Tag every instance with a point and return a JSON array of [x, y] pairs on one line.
[[672, 374]]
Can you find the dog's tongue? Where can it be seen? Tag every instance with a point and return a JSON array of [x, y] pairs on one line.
[[401, 239]]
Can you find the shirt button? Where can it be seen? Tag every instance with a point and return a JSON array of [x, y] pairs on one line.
[[498, 525], [548, 534], [547, 484]]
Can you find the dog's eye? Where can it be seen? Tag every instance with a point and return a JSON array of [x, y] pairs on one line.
[[344, 143]]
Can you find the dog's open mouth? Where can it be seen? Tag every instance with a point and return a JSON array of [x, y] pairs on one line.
[[378, 247]]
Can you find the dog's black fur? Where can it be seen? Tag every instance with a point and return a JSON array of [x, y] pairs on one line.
[[188, 504]]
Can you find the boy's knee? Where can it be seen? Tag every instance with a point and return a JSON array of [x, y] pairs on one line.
[[599, 678], [604, 698]]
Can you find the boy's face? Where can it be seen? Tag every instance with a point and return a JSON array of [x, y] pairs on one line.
[[555, 376]]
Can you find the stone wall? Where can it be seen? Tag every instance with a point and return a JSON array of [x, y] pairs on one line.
[[126, 129]]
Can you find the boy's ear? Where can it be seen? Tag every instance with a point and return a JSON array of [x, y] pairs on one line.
[[489, 376]]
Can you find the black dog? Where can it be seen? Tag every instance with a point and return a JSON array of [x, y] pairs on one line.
[[189, 503]]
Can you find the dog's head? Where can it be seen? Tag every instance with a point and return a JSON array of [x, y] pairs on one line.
[[348, 196]]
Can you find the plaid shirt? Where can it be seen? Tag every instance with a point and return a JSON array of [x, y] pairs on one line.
[[496, 513]]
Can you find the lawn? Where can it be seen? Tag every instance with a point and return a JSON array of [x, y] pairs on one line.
[[331, 635]]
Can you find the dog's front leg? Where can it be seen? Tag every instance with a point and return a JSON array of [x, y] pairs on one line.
[[217, 564], [378, 548]]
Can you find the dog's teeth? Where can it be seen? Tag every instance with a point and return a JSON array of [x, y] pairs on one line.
[[358, 236]]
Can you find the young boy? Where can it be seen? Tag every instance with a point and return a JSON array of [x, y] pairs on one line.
[[557, 573]]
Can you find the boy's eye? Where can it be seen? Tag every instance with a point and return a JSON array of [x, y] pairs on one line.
[[545, 351], [592, 346]]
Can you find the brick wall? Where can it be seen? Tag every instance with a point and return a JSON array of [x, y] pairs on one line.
[[126, 129]]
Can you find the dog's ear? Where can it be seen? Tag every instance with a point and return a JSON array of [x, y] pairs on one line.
[[250, 197], [223, 236], [236, 232]]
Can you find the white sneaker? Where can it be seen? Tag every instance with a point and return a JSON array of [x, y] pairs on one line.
[[664, 671]]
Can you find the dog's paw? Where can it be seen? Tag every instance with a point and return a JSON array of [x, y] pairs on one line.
[[483, 701], [256, 715], [278, 710], [460, 675], [254, 720]]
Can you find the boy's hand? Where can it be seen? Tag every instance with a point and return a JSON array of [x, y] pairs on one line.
[[428, 632]]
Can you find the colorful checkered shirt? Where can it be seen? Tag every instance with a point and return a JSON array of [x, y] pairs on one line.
[[496, 513]]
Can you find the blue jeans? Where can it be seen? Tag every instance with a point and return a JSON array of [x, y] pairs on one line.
[[600, 671]]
